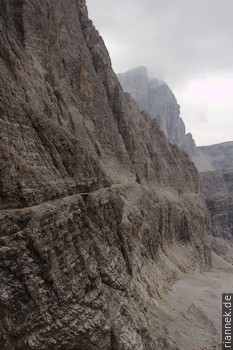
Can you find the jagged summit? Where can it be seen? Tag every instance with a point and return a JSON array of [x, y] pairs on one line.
[[137, 71], [155, 97]]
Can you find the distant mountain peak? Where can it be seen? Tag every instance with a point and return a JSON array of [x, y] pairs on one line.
[[155, 97]]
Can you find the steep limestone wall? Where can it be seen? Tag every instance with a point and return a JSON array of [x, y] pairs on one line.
[[155, 97], [93, 199]]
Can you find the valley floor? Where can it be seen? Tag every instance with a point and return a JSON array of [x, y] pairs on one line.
[[194, 307]]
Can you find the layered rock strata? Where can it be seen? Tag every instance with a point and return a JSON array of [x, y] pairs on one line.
[[214, 162], [92, 197], [218, 190]]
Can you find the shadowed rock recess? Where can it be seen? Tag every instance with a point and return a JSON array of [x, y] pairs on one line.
[[93, 199]]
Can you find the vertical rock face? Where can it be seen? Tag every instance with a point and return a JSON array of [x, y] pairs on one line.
[[218, 185], [156, 98], [214, 162], [93, 199], [218, 191]]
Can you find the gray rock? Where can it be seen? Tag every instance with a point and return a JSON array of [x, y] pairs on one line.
[[215, 157], [93, 199], [218, 191], [155, 97]]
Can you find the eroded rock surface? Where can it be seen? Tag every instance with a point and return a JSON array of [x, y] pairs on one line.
[[155, 97], [218, 191], [92, 197], [215, 157], [214, 162]]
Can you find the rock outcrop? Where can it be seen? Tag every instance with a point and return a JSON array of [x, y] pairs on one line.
[[214, 157], [155, 97], [214, 162], [92, 197], [218, 191]]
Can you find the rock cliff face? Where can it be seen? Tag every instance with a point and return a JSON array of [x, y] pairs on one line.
[[218, 191], [93, 199], [156, 98]]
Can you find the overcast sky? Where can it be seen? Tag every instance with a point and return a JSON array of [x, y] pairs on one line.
[[188, 44]]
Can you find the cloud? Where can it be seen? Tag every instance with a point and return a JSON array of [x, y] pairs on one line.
[[176, 39], [207, 108], [181, 41]]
